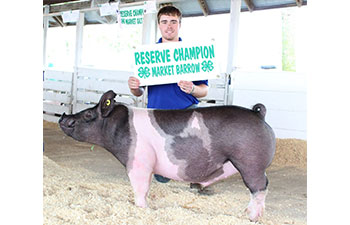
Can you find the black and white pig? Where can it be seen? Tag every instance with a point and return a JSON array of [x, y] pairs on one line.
[[201, 145]]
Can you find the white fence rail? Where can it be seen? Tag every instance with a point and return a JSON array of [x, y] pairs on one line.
[[92, 83], [218, 90], [283, 94], [57, 89]]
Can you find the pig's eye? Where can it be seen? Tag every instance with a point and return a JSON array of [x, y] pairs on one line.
[[88, 116]]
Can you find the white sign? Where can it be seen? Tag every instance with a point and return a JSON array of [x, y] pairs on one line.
[[70, 16], [172, 62], [150, 7], [109, 9], [130, 16]]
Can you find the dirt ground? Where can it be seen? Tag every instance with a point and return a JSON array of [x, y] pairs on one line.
[[89, 186]]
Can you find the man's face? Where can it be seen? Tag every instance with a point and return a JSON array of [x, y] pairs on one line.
[[169, 28]]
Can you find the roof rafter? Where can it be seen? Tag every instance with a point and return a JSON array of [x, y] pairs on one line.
[[51, 2], [59, 20], [299, 2], [204, 6], [250, 5]]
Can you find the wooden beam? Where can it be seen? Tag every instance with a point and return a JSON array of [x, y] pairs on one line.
[[299, 2], [51, 2], [69, 7], [250, 5], [161, 5], [204, 6], [59, 21]]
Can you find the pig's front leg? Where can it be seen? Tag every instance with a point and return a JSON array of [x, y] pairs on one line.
[[140, 179]]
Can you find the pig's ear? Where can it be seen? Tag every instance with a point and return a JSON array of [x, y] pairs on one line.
[[107, 103]]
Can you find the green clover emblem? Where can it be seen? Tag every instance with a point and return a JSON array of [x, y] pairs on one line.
[[207, 66], [144, 72]]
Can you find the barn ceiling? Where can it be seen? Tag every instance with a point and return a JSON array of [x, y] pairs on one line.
[[188, 8]]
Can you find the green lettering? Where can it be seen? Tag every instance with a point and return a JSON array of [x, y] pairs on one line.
[[187, 57], [154, 72], [168, 55], [142, 54], [198, 51], [176, 55], [157, 56], [197, 67], [137, 58], [192, 52], [181, 52], [138, 12], [178, 69], [211, 51], [147, 57], [152, 57], [206, 52], [162, 55]]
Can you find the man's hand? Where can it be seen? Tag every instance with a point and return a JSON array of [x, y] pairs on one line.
[[134, 85], [197, 91], [186, 86]]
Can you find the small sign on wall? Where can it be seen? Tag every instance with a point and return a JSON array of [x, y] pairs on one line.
[[130, 16], [109, 9], [70, 16]]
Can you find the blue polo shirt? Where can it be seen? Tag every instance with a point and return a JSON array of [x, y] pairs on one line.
[[170, 96]]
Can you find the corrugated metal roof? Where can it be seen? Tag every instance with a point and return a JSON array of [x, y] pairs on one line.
[[189, 8]]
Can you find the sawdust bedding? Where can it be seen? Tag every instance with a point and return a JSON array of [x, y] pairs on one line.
[[78, 196]]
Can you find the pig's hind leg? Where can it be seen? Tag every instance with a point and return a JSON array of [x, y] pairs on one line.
[[254, 177]]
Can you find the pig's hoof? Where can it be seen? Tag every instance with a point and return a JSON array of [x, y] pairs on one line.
[[195, 185], [206, 191], [201, 190], [255, 213]]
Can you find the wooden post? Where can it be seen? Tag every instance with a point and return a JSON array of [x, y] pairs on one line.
[[235, 11], [77, 63], [46, 27]]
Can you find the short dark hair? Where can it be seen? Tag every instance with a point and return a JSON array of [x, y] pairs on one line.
[[170, 11]]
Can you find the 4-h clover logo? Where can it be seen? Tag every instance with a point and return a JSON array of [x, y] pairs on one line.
[[207, 66], [144, 72]]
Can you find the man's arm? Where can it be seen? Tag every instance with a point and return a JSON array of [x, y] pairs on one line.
[[199, 91]]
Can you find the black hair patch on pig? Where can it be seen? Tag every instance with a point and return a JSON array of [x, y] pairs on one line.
[[198, 163], [119, 133], [165, 120]]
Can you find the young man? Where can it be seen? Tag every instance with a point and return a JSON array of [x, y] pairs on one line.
[[179, 95]]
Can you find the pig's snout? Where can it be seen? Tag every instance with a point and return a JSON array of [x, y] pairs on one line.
[[67, 121]]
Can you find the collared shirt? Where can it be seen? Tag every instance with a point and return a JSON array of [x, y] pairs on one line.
[[170, 96]]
